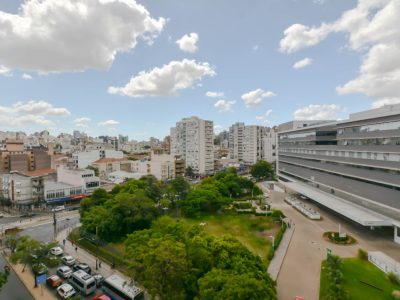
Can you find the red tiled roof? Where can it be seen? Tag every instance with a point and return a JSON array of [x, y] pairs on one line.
[[39, 172]]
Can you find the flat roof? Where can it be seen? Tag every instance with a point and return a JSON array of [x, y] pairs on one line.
[[348, 209]]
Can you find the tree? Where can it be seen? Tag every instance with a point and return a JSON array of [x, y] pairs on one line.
[[224, 284], [262, 170], [95, 169], [189, 172], [3, 280], [160, 264], [180, 187], [202, 199], [335, 275]]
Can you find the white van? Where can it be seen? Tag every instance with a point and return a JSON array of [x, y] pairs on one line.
[[83, 282]]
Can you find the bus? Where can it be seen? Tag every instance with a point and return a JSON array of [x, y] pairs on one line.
[[83, 282], [117, 288]]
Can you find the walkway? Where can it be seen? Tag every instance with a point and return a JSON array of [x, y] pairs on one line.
[[276, 263]]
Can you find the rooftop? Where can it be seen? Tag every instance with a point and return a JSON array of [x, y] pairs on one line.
[[40, 172], [110, 160]]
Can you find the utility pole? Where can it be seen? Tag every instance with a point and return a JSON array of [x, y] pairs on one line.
[[55, 224]]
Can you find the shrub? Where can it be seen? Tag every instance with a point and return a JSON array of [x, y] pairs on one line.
[[394, 278], [362, 254], [277, 214]]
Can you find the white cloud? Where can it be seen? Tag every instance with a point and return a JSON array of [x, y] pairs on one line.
[[214, 94], [4, 71], [382, 102], [55, 36], [40, 107], [255, 47], [254, 98], [31, 113], [224, 105], [82, 122], [188, 42], [108, 123], [264, 116], [302, 63], [318, 112], [299, 36], [26, 76], [165, 81], [371, 29], [218, 129]]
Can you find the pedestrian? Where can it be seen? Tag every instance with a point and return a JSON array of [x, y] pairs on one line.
[[64, 242], [76, 248], [99, 264]]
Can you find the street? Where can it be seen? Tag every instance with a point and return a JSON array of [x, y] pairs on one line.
[[13, 289]]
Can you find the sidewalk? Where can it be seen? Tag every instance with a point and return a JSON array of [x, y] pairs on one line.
[[82, 255], [277, 261], [27, 278]]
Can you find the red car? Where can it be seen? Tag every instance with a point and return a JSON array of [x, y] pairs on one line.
[[101, 297], [54, 281]]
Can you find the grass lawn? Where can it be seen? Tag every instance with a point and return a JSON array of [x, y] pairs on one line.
[[355, 271], [252, 231]]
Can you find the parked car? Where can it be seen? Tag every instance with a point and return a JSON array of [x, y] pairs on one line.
[[99, 279], [66, 291], [68, 260], [58, 208], [56, 251], [54, 281], [101, 297], [64, 272], [27, 215], [83, 267]]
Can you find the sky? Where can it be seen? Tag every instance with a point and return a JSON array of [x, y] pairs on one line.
[[136, 68]]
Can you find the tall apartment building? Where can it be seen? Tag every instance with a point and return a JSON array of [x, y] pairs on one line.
[[192, 139], [350, 166], [253, 144], [235, 141], [269, 145]]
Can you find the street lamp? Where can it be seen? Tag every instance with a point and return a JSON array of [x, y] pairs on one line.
[[273, 242]]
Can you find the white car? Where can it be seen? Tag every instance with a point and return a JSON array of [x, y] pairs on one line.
[[66, 291], [58, 208], [64, 272], [56, 251], [68, 260]]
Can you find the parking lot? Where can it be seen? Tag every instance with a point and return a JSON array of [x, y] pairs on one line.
[[53, 271]]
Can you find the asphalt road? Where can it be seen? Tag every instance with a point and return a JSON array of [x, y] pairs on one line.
[[14, 288]]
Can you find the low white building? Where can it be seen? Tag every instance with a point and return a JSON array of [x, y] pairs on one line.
[[83, 159], [79, 177], [121, 176], [109, 165], [162, 166], [60, 192]]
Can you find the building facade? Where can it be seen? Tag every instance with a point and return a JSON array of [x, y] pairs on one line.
[[83, 159], [192, 139], [353, 163]]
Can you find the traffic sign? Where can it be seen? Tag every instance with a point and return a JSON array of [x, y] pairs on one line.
[[40, 279]]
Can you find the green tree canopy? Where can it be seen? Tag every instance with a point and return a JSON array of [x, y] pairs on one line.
[[262, 170]]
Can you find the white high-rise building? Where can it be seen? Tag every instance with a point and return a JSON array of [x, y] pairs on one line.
[[269, 145], [236, 141], [192, 139], [253, 144]]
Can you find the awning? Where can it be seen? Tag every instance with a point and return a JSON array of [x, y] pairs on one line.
[[346, 208]]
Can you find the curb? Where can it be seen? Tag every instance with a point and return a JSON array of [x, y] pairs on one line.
[[286, 250]]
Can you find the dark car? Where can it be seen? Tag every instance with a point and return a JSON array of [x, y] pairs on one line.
[[83, 267], [28, 215]]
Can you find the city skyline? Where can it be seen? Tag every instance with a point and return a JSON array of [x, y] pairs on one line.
[[260, 67]]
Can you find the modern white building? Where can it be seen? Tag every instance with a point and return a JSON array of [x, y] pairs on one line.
[[83, 159], [192, 139]]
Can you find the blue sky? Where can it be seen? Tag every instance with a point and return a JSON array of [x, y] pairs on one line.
[[239, 50]]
